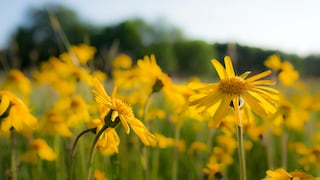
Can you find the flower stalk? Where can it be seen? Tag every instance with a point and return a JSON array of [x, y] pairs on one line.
[[241, 150], [14, 171]]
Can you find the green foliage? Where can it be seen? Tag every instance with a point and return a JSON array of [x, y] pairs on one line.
[[194, 57], [37, 41]]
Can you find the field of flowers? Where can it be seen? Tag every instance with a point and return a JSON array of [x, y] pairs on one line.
[[67, 120]]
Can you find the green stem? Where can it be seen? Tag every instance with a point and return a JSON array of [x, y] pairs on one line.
[[73, 150], [155, 163], [145, 163], [115, 167], [93, 149], [58, 167], [241, 153], [175, 153], [284, 142], [269, 148], [14, 175]]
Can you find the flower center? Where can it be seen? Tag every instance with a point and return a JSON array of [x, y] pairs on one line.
[[123, 108], [232, 86]]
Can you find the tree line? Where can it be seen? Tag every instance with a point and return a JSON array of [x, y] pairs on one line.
[[49, 30]]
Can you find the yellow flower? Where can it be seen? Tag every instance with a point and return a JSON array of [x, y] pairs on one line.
[[54, 123], [17, 82], [79, 54], [285, 70], [232, 89], [120, 110], [39, 149], [163, 141], [198, 147], [15, 114], [122, 61], [281, 174], [108, 142], [99, 175]]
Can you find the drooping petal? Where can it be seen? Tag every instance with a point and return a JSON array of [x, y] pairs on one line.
[[253, 102], [124, 122], [144, 134], [222, 109]]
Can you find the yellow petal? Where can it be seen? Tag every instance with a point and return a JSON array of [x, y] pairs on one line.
[[229, 66], [259, 76], [124, 123], [222, 109], [219, 68], [4, 104]]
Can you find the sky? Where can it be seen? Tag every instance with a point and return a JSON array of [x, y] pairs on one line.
[[292, 26]]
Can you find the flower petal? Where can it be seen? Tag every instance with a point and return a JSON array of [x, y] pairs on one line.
[[219, 68], [229, 66], [259, 76]]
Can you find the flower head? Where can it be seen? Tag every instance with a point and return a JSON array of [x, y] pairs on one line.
[[120, 110], [15, 114], [233, 90], [39, 149], [281, 174]]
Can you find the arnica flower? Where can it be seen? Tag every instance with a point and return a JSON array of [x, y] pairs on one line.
[[15, 114], [285, 70], [38, 149], [17, 83], [99, 175], [121, 111], [233, 90], [54, 123], [281, 174], [79, 54]]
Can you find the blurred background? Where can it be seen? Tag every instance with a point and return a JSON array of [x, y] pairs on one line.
[[184, 35]]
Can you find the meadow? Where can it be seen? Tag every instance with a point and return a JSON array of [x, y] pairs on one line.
[[68, 120]]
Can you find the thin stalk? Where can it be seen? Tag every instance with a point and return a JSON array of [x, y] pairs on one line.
[[14, 171], [155, 163], [241, 151], [58, 160], [73, 150], [175, 153], [115, 164], [284, 149], [93, 149], [269, 147], [145, 163]]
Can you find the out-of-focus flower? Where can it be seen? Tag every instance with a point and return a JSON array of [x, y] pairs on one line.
[[163, 141], [198, 147], [99, 175], [285, 70], [38, 149], [17, 83], [122, 61], [15, 114], [54, 123], [231, 89], [281, 174], [79, 54]]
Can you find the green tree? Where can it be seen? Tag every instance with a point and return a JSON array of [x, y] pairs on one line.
[[194, 57], [47, 32]]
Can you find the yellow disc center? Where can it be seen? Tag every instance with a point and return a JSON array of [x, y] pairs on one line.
[[232, 86]]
